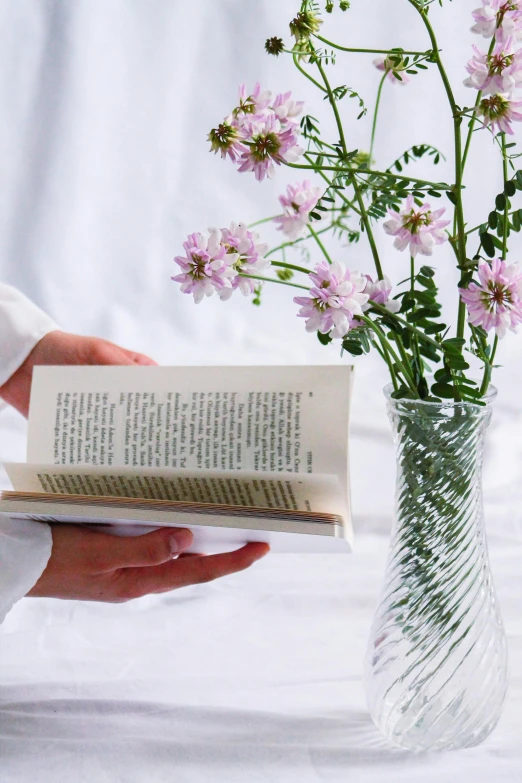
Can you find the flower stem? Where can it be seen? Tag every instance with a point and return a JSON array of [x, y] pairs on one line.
[[370, 172], [324, 250], [284, 265], [408, 380], [375, 115], [272, 280], [364, 51], [506, 208], [364, 215], [488, 367], [263, 220], [295, 241], [310, 78], [412, 329]]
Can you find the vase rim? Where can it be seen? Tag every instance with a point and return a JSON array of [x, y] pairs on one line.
[[488, 399]]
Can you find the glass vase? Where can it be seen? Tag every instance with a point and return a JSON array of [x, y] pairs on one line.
[[436, 664]]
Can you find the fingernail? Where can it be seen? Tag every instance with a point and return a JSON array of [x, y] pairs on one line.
[[179, 540]]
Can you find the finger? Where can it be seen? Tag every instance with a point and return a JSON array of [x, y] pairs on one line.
[[104, 352], [185, 571], [151, 549]]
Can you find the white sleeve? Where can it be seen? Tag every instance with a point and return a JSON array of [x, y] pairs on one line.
[[22, 325], [25, 547]]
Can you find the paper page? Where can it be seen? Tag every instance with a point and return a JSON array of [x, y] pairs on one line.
[[320, 494], [292, 419]]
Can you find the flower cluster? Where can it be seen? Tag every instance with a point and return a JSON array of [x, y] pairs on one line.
[[336, 299], [219, 261], [394, 67], [416, 227], [260, 132], [297, 203], [496, 301], [498, 73]]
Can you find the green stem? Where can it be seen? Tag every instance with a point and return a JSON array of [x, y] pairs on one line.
[[302, 70], [263, 220], [459, 213], [365, 51], [506, 208], [272, 280], [375, 115], [360, 201], [329, 181], [295, 241], [408, 380], [488, 367], [474, 115], [284, 265], [371, 172], [324, 250]]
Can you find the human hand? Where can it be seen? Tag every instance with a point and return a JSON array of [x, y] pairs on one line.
[[63, 348], [86, 565]]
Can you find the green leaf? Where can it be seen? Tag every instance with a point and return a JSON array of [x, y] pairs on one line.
[[510, 188], [488, 244], [427, 271], [518, 177], [500, 202], [493, 219], [443, 390], [451, 196], [454, 344], [324, 339]]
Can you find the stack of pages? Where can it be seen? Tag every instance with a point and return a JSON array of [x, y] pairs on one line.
[[236, 454]]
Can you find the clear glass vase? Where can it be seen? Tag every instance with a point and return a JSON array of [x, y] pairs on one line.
[[436, 664]]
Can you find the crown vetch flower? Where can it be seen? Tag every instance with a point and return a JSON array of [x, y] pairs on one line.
[[297, 203], [269, 142], [496, 301], [336, 299], [247, 252], [286, 109], [227, 139], [274, 45], [395, 67], [499, 111], [499, 72], [506, 15], [416, 227], [380, 292], [206, 266], [252, 103], [304, 25]]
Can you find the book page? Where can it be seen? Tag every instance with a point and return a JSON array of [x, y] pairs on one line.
[[320, 494], [271, 419]]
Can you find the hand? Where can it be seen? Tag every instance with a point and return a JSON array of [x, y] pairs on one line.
[[63, 348], [89, 566]]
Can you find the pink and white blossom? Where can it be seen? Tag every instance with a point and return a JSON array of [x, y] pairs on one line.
[[252, 103], [379, 291], [297, 203], [420, 228], [496, 301], [336, 299], [246, 249], [269, 142], [506, 15], [227, 139], [206, 266], [286, 109], [499, 111], [393, 67], [498, 72]]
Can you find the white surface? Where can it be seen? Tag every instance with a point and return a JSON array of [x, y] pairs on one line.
[[105, 170]]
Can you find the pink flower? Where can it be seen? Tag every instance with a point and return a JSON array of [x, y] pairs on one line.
[[248, 254], [379, 292], [299, 201], [393, 67], [499, 111], [206, 267], [336, 298], [495, 302], [268, 143], [227, 139], [286, 109], [418, 227], [504, 14], [499, 72], [252, 103]]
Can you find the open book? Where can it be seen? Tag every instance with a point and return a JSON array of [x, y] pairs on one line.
[[236, 454]]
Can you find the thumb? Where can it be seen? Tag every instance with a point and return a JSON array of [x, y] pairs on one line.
[[151, 549]]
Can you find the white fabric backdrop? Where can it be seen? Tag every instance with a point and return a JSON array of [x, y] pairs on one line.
[[105, 169]]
